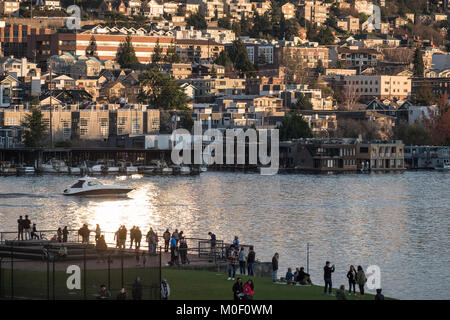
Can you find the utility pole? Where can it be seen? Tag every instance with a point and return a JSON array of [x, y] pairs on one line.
[[51, 107]]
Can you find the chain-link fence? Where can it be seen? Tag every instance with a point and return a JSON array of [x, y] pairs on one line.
[[30, 271]]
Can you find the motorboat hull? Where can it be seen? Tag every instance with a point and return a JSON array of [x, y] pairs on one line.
[[100, 192]]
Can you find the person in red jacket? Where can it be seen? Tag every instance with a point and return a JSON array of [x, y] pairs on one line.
[[249, 290]]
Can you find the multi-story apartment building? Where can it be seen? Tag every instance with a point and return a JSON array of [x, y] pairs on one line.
[[14, 39], [211, 87], [315, 11], [9, 7], [95, 123], [349, 23], [354, 56], [381, 156], [239, 9], [105, 40], [261, 7], [195, 50], [378, 86], [288, 9], [212, 8]]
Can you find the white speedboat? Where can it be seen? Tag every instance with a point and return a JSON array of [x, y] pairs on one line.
[[54, 166], [75, 170], [93, 187]]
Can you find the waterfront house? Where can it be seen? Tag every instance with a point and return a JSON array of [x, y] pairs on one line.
[[426, 157], [381, 155]]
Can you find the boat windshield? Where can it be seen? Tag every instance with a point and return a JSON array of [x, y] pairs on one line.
[[79, 184], [94, 183]]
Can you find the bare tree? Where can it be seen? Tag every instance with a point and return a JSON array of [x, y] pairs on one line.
[[295, 67], [351, 96], [402, 55]]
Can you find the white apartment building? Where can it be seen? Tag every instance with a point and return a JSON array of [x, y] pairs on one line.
[[382, 87]]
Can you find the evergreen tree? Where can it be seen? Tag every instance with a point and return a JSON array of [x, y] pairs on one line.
[[293, 126], [161, 90], [34, 128], [126, 56], [320, 69], [172, 56], [197, 20], [238, 54], [303, 103], [418, 63], [157, 53]]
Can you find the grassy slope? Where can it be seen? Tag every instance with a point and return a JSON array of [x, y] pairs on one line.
[[204, 285], [184, 284]]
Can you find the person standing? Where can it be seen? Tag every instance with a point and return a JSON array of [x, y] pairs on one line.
[[238, 290], [232, 259], [136, 290], [132, 236], [166, 237], [176, 235], [27, 228], [137, 237], [65, 234], [251, 261], [351, 276], [20, 228], [34, 234], [275, 259], [327, 271], [165, 290], [213, 244], [242, 261], [151, 239], [183, 251], [59, 235], [173, 249], [98, 232], [123, 237], [236, 243], [361, 280]]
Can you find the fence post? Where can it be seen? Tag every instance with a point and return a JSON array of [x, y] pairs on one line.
[[12, 272], [121, 268], [307, 257], [1, 282], [53, 278], [109, 273], [84, 273], [158, 287], [48, 275]]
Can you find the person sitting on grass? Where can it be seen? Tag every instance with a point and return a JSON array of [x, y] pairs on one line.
[[122, 294], [303, 278], [340, 293], [249, 290], [379, 296], [238, 290], [104, 294], [289, 276]]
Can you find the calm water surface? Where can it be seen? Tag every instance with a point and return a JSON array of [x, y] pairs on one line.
[[400, 222]]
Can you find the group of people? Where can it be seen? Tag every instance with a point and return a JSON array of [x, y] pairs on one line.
[[178, 247], [136, 291], [61, 235], [354, 276], [26, 230], [243, 291], [236, 254]]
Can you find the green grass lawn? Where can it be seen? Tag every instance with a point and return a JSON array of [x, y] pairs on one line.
[[205, 285], [184, 285]]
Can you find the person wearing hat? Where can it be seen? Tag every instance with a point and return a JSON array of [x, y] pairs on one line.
[[327, 271]]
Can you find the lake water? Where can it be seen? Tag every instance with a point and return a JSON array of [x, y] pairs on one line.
[[400, 222]]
